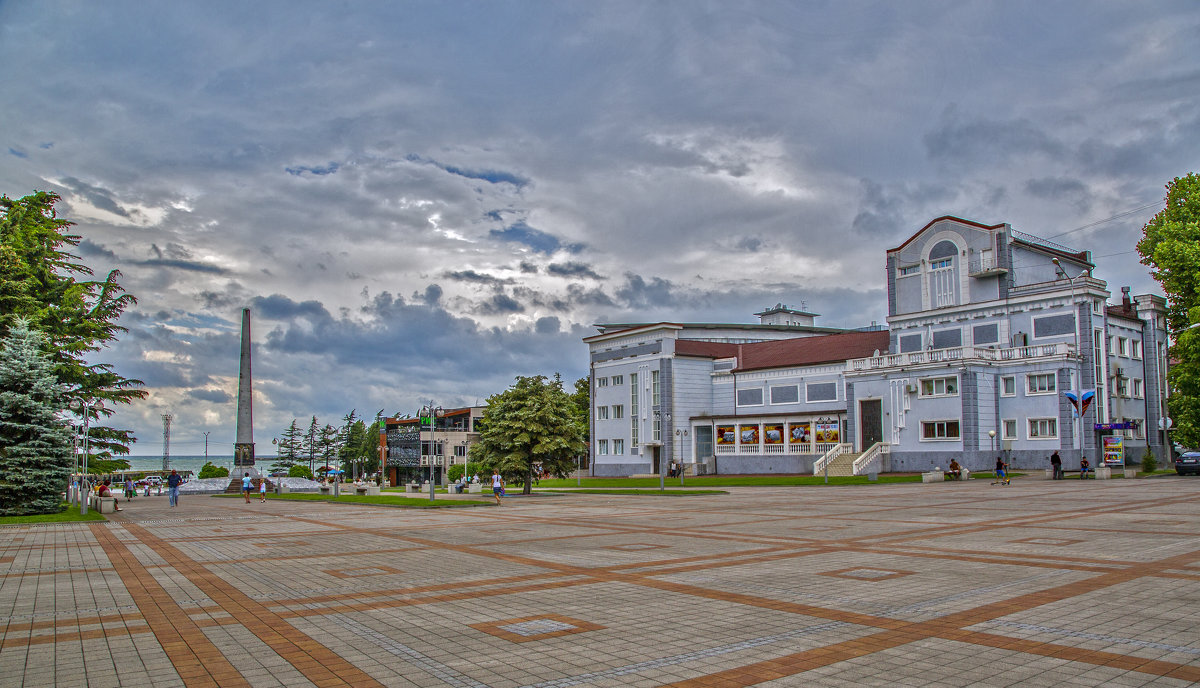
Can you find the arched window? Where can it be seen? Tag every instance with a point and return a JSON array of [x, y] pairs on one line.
[[941, 274]]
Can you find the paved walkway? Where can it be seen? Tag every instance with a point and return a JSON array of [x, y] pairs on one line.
[[1040, 583]]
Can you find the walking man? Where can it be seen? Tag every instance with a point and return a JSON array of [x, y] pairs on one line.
[[1056, 464], [173, 482]]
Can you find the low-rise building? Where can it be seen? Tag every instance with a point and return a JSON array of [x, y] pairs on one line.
[[415, 449]]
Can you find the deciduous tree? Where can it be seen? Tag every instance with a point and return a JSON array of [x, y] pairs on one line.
[[1171, 247], [532, 422]]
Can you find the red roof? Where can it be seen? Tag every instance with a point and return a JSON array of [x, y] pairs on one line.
[[782, 353]]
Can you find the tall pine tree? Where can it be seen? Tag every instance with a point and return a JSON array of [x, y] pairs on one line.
[[35, 444]]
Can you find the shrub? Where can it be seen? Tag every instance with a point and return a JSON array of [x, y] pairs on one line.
[[1149, 462], [298, 471], [208, 470], [455, 472]]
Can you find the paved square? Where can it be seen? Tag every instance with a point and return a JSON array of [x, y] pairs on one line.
[[955, 584]]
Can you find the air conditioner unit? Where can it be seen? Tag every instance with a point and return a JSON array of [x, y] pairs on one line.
[[911, 389]]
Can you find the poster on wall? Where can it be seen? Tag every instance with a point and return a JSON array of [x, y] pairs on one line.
[[726, 434], [1114, 450], [773, 433], [749, 434], [827, 430], [799, 433]]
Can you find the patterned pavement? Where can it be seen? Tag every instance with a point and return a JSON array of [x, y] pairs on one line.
[[1043, 583]]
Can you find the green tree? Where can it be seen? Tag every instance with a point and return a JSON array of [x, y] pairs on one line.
[[290, 446], [43, 282], [1171, 247], [581, 407], [299, 471], [208, 470], [531, 422], [35, 444], [327, 444], [308, 445]]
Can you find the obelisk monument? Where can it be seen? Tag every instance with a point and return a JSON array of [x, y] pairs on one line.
[[243, 448]]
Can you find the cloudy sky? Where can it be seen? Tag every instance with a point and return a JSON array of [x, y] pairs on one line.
[[423, 200]]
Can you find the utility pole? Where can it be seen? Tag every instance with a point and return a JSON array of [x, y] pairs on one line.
[[166, 419], [206, 446]]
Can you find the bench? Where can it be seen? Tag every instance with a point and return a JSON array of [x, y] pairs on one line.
[[366, 489], [1102, 473], [413, 487], [104, 505], [475, 488], [965, 475], [933, 477]]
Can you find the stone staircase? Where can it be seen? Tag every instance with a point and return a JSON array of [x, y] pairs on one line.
[[843, 464], [235, 485]]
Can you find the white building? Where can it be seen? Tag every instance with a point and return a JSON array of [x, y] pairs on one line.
[[988, 331]]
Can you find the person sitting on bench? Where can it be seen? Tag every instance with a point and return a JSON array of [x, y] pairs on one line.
[[105, 490], [955, 470], [1085, 468]]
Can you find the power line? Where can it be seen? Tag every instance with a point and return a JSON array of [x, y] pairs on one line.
[[1107, 219]]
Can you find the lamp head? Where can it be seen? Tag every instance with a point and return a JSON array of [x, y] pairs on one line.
[[991, 433]]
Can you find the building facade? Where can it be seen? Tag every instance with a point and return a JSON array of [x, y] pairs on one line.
[[416, 450], [996, 340]]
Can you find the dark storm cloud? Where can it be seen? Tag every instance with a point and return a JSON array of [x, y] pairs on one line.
[[638, 293], [967, 140], [90, 249], [475, 277], [572, 270], [500, 304], [1061, 188], [216, 396], [95, 195]]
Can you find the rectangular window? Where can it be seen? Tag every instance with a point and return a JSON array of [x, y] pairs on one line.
[[939, 430], [1043, 428], [786, 394], [947, 339], [1054, 325], [910, 343], [601, 382], [1135, 348], [618, 412], [704, 441], [1138, 392], [460, 450], [940, 386], [1122, 346], [618, 380], [907, 270], [1040, 384], [655, 398], [985, 334], [820, 391], [618, 447], [1009, 430], [602, 447], [1112, 345], [601, 413], [633, 410], [750, 397], [1008, 386]]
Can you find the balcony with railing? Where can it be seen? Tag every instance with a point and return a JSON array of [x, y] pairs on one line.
[[1059, 350], [985, 266]]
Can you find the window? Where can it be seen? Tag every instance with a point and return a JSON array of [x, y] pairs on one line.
[[460, 450], [618, 412], [655, 399], [821, 391], [1138, 392], [1040, 384], [601, 413], [750, 397], [633, 409], [939, 387], [941, 264], [907, 270], [1043, 428], [1009, 430], [1122, 346], [601, 382], [618, 447], [1112, 345], [602, 447], [1054, 325], [1008, 386], [618, 380], [1135, 348], [939, 430], [787, 394]]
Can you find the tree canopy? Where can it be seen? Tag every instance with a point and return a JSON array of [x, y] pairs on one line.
[[532, 422], [1171, 247], [47, 285]]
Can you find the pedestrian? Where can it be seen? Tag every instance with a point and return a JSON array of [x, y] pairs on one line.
[[1001, 472], [262, 491], [1056, 464], [173, 482], [130, 490], [497, 485], [246, 486], [105, 490]]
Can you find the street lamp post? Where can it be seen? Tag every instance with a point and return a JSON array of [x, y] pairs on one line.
[[86, 409], [1078, 355], [992, 434]]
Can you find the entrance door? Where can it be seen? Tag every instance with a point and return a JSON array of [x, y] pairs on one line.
[[870, 420], [654, 453]]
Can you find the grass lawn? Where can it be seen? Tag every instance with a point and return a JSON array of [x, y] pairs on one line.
[[380, 500], [716, 481], [70, 514], [670, 492]]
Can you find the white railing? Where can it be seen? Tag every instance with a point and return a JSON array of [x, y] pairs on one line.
[[834, 452], [774, 449], [962, 353], [872, 459], [792, 449]]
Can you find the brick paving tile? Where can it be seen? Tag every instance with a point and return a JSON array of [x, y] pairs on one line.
[[903, 585]]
